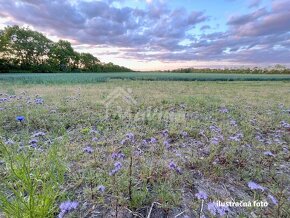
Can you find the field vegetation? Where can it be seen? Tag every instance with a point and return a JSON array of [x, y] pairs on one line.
[[73, 78], [144, 148]]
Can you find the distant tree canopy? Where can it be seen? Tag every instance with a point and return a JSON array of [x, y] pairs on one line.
[[277, 69], [22, 49]]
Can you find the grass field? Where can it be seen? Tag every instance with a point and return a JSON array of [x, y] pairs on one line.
[[70, 78], [126, 148]]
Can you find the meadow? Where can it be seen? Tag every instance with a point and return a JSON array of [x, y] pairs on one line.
[[71, 146]]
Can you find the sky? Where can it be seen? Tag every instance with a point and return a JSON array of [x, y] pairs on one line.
[[160, 35]]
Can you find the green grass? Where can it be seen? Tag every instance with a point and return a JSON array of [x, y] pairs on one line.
[[74, 116], [72, 78]]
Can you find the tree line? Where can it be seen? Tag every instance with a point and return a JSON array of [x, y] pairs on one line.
[[22, 49], [276, 69]]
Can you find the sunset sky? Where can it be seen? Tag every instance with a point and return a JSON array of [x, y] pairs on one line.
[[159, 34]]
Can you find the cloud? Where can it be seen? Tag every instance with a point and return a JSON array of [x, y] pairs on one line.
[[254, 3], [158, 32]]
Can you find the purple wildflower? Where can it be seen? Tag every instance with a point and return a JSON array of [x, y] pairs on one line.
[[273, 199], [20, 118], [38, 101], [94, 139], [38, 134], [223, 110], [101, 188], [212, 208], [255, 186], [233, 122], [153, 140], [118, 166], [118, 155], [66, 207], [215, 140], [123, 141], [201, 195], [9, 142], [33, 141], [268, 153], [178, 170], [121, 155], [184, 134], [284, 124], [88, 149], [237, 137], [215, 209], [172, 165], [215, 129], [1, 109], [130, 136], [166, 144], [114, 155], [165, 133]]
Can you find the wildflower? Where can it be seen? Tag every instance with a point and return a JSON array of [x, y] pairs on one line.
[[123, 141], [94, 139], [20, 118], [233, 122], [38, 134], [153, 140], [101, 188], [114, 155], [118, 166], [201, 195], [215, 129], [130, 136], [118, 155], [88, 149], [66, 207], [284, 124], [9, 142], [172, 165], [184, 134], [1, 109], [165, 133], [33, 141], [38, 101], [237, 137], [215, 140], [214, 209], [166, 143], [255, 186], [273, 199], [178, 170], [223, 110], [268, 153]]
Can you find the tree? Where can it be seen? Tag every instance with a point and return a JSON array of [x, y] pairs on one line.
[[88, 61], [24, 49], [61, 55]]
